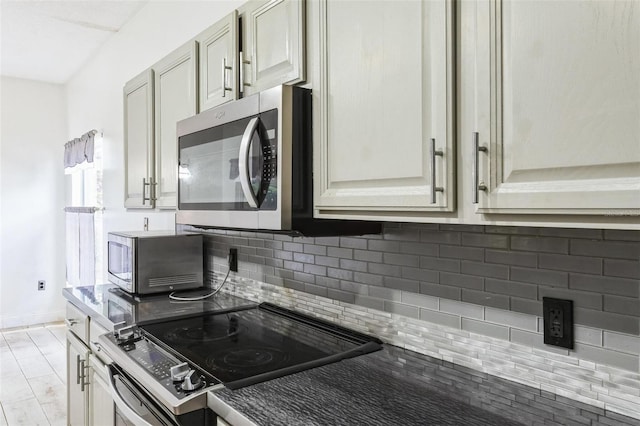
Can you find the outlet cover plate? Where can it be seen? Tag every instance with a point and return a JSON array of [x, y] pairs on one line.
[[233, 259], [558, 322]]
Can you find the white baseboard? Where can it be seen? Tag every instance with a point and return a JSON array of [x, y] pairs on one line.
[[31, 319]]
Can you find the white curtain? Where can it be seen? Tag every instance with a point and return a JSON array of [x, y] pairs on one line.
[[81, 253], [79, 150]]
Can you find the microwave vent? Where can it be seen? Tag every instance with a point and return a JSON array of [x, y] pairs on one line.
[[174, 280]]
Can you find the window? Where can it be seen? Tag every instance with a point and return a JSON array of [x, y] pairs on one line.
[[84, 229]]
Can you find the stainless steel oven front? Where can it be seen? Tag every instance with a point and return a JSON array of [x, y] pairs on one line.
[[134, 406]]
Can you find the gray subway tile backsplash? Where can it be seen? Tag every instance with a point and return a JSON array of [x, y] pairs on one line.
[[540, 244], [583, 264], [622, 305], [608, 249], [605, 285], [473, 276], [622, 268]]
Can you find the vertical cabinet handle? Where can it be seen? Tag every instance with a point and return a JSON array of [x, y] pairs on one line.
[[243, 62], [152, 190], [433, 153], [77, 369], [144, 190], [225, 67], [81, 373], [477, 185]]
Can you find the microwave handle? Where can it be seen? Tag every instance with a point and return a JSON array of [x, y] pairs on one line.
[[243, 162]]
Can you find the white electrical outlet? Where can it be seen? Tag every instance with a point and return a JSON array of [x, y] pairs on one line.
[[41, 285]]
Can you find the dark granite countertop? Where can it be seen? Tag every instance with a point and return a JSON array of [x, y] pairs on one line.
[[373, 389], [107, 304]]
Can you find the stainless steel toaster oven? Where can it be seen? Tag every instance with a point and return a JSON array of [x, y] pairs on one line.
[[155, 261]]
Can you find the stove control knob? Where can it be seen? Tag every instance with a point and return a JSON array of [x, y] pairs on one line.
[[125, 333], [178, 372], [191, 381]]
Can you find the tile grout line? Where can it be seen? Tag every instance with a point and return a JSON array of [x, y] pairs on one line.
[[26, 331]]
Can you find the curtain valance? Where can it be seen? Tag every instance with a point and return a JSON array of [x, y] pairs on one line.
[[79, 150]]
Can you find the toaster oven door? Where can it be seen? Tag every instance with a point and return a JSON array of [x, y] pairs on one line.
[[121, 260]]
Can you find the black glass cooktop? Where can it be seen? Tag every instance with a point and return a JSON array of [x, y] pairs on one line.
[[252, 345]]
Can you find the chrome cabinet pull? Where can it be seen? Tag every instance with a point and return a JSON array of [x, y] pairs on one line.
[[433, 153], [83, 367], [70, 322], [144, 186], [153, 189], [243, 62], [77, 369], [225, 67], [477, 185]]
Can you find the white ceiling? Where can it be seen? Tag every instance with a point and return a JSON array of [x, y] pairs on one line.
[[51, 40]]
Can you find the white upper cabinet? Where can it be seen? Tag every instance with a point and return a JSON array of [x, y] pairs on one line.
[[218, 62], [138, 141], [175, 99], [383, 108], [557, 104], [272, 44]]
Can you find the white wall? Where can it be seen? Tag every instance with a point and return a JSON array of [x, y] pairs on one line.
[[33, 133], [95, 93]]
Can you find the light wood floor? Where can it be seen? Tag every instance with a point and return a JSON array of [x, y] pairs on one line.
[[33, 376]]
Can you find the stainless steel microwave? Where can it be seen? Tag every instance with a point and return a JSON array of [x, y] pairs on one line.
[[248, 164], [155, 261]]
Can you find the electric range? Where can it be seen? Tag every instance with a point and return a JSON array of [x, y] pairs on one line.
[[177, 361]]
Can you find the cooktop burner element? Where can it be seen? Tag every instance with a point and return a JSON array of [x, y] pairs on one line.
[[256, 344], [235, 359], [206, 333]]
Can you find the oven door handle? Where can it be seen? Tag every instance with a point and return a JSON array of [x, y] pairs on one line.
[[126, 409], [243, 162]]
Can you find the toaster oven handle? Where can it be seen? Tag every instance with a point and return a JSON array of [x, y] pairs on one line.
[[129, 412], [243, 162]]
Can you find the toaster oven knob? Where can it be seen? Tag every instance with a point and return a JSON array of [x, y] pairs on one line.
[[178, 372], [191, 381]]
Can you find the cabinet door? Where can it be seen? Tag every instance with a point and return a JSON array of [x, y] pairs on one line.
[[273, 49], [558, 106], [382, 95], [138, 141], [77, 356], [175, 100], [218, 62], [101, 406]]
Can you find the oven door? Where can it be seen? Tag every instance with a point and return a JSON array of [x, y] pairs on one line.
[[135, 407]]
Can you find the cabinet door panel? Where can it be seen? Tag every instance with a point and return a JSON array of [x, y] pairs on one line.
[[138, 139], [385, 92], [217, 44], [175, 100], [273, 43], [101, 406], [565, 107], [76, 398]]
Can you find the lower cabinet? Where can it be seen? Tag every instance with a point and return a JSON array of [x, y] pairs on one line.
[[101, 407], [77, 385], [89, 399]]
